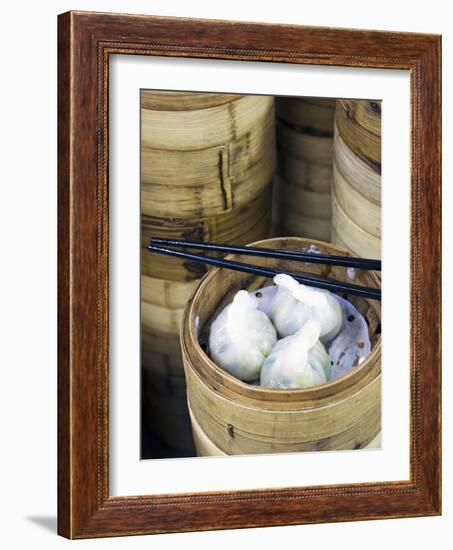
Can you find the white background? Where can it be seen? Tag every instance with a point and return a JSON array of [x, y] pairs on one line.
[[28, 284]]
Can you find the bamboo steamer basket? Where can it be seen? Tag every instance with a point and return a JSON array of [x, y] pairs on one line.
[[239, 225], [289, 221], [164, 386], [307, 202], [156, 317], [311, 148], [240, 418], [201, 167], [157, 341], [207, 164], [356, 239], [170, 294], [161, 100], [359, 175], [336, 239], [163, 303], [362, 212], [356, 198], [309, 175], [211, 180], [304, 137], [205, 447], [366, 114], [165, 404], [212, 187], [189, 130], [359, 125], [309, 113]]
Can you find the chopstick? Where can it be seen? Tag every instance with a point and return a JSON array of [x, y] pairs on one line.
[[311, 257], [309, 280]]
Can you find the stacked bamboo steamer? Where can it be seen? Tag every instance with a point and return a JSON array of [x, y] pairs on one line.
[[205, 447], [356, 197], [207, 163], [232, 417], [304, 181]]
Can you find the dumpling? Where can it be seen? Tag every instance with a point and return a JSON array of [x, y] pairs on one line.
[[241, 337], [294, 304], [297, 361]]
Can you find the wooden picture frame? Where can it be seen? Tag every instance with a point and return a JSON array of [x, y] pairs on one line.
[[85, 41]]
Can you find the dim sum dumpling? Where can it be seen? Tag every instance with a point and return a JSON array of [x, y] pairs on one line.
[[297, 361], [241, 337], [294, 304]]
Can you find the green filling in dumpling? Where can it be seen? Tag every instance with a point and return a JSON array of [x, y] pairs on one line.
[[241, 338], [297, 361]]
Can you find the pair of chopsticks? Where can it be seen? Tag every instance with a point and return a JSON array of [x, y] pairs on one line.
[[158, 246]]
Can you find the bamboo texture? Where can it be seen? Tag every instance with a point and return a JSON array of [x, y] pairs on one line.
[[207, 163], [240, 418], [205, 447], [303, 187], [241, 225], [356, 198]]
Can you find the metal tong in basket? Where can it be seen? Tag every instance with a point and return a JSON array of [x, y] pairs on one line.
[[158, 246]]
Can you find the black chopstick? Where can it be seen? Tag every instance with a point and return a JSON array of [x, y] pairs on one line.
[[311, 257], [309, 280]]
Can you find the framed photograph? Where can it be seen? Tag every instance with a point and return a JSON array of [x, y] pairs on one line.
[[249, 275]]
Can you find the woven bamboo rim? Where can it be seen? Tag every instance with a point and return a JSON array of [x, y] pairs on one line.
[[160, 100], [203, 128], [366, 113], [201, 166]]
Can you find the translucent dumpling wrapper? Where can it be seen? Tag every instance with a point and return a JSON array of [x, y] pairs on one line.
[[297, 361], [264, 297], [294, 304], [350, 346], [241, 337]]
